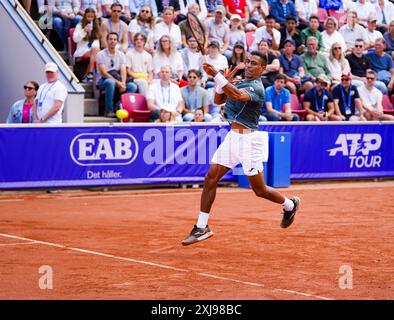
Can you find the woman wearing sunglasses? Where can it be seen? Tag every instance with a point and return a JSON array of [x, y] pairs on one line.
[[21, 110]]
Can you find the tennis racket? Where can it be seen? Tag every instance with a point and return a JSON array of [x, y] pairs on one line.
[[197, 30]]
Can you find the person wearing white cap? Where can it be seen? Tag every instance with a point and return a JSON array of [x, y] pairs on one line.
[[218, 30], [50, 98], [236, 34]]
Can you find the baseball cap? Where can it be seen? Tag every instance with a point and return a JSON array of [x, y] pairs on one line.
[[323, 78], [239, 43], [289, 40], [51, 67], [167, 108], [346, 76], [236, 16], [372, 18], [214, 43], [221, 9]]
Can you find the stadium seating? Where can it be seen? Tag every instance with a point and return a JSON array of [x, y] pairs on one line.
[[387, 105], [136, 105], [296, 107]]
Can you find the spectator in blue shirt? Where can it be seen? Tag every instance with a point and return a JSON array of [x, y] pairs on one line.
[[280, 9], [382, 64], [277, 100]]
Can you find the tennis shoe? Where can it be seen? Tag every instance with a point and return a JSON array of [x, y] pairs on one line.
[[197, 234], [288, 216]]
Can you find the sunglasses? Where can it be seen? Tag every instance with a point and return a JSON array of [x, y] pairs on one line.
[[28, 88], [358, 46], [369, 78], [193, 77], [145, 11], [117, 11], [345, 79], [337, 48], [112, 63]]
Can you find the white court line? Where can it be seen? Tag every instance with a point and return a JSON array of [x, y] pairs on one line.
[[17, 243], [159, 265]]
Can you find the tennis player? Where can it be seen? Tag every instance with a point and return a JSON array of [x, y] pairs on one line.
[[243, 144]]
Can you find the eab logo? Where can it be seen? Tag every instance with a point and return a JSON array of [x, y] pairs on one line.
[[358, 148], [96, 149]]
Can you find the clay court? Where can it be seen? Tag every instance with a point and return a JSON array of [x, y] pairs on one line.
[[125, 244]]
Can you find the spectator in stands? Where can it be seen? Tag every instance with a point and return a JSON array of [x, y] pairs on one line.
[[50, 98], [314, 62], [218, 30], [168, 27], [64, 18], [124, 15], [139, 64], [382, 64], [192, 58], [144, 22], [111, 65], [347, 102], [389, 37], [87, 37], [186, 33], [291, 67], [313, 31], [372, 33], [136, 7], [273, 65], [94, 4], [22, 110], [277, 102], [384, 14], [211, 6], [372, 99], [165, 94], [194, 97], [166, 114], [352, 31], [364, 10], [305, 9], [202, 9], [199, 116], [236, 34], [163, 4], [258, 12], [238, 59], [331, 35], [280, 9], [114, 24], [268, 33], [215, 58], [359, 64], [337, 64], [166, 54], [319, 102], [290, 31], [239, 7]]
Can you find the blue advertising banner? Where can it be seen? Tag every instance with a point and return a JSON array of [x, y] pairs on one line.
[[54, 156]]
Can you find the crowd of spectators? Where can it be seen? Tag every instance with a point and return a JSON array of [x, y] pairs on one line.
[[339, 67]]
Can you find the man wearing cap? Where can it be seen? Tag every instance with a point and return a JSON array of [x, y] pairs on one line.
[[291, 66], [50, 97], [218, 30], [318, 101], [347, 102], [289, 31], [280, 9], [372, 33], [237, 7], [352, 31]]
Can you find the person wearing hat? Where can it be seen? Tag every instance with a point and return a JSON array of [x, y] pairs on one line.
[[236, 34], [347, 100], [372, 33], [238, 59], [352, 31], [50, 97], [215, 58], [318, 101], [211, 6], [219, 30], [280, 9], [290, 31], [239, 7]]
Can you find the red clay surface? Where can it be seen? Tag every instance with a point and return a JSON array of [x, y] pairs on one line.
[[127, 244]]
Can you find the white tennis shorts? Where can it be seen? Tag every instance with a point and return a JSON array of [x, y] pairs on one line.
[[249, 149]]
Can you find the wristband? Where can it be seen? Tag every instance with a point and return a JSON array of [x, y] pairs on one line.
[[220, 80]]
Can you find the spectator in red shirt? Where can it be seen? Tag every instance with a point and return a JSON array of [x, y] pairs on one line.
[[239, 7]]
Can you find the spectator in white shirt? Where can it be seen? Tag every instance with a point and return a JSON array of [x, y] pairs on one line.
[[352, 31], [364, 10], [168, 27], [135, 6], [144, 22], [184, 4], [236, 34], [269, 33], [215, 58], [258, 12], [372, 33], [384, 14], [192, 58], [337, 64], [330, 35], [305, 9], [50, 97]]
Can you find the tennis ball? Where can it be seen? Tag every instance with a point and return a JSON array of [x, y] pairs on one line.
[[122, 114]]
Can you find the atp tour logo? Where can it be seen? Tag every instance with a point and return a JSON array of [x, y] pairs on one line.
[[357, 147], [97, 149]]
